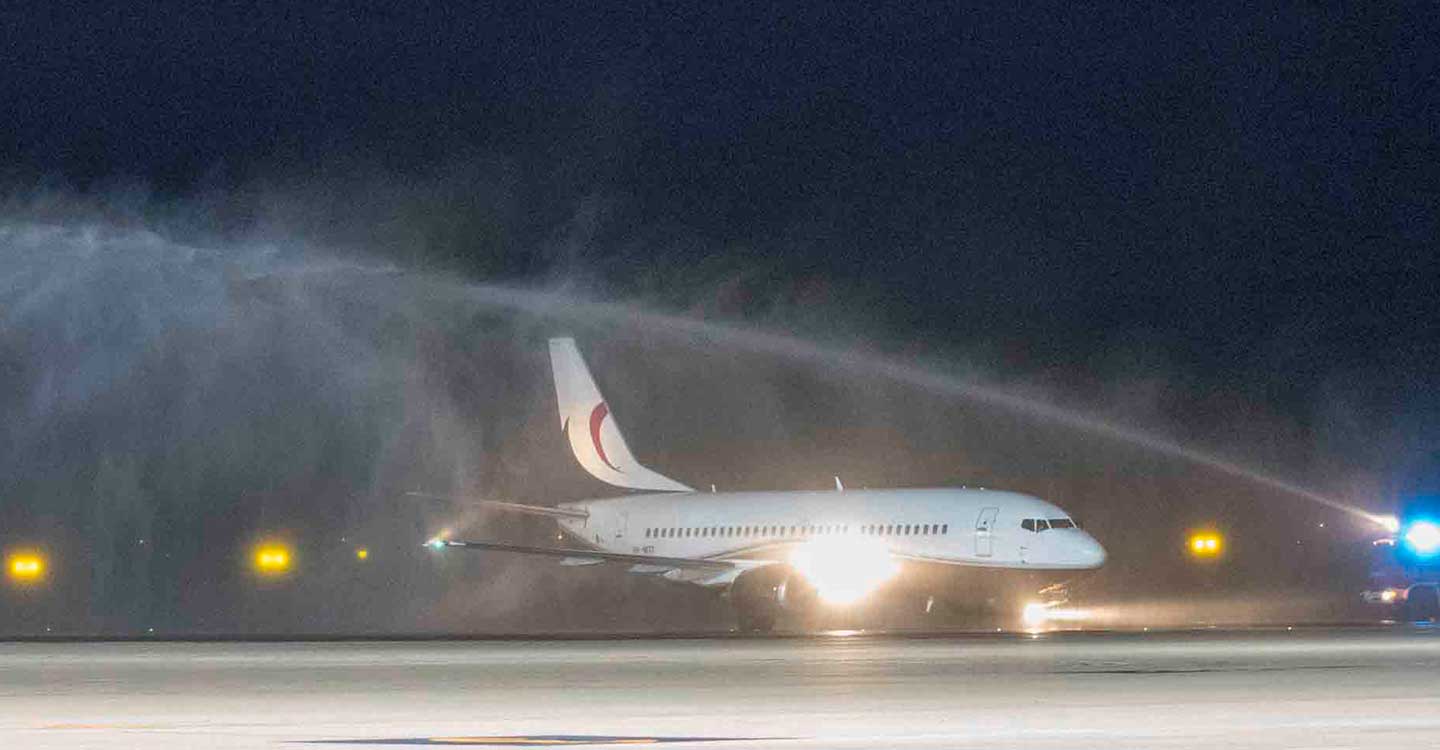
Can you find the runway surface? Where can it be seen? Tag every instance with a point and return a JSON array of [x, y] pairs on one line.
[[1301, 689]]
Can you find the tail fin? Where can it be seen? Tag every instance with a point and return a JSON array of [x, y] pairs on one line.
[[588, 424]]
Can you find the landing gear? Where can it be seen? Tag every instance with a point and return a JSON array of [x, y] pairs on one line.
[[756, 620], [759, 597]]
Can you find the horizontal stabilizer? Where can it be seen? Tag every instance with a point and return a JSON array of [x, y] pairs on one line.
[[533, 510]]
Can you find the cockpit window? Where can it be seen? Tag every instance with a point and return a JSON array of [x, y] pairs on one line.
[[1044, 524]]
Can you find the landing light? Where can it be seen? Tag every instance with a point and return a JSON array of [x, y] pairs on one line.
[[1034, 615], [1423, 537], [1039, 616], [844, 569]]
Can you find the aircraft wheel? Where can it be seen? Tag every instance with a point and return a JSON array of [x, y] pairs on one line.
[[755, 620]]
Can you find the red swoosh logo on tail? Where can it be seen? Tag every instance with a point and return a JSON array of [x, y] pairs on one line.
[[597, 418]]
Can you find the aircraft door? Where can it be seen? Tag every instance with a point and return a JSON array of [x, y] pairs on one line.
[[622, 522], [985, 532]]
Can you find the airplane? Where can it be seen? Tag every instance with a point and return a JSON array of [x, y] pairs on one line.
[[772, 550]]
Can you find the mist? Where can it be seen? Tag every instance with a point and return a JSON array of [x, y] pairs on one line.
[[187, 377]]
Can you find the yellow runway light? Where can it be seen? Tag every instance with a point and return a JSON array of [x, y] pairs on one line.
[[273, 559], [362, 554], [25, 567], [1206, 544]]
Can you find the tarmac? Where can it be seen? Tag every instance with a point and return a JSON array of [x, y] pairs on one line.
[[1303, 688]]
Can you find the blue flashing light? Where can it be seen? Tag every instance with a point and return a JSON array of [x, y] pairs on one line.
[[1423, 538]]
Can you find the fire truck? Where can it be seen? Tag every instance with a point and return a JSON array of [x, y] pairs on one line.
[[1405, 570]]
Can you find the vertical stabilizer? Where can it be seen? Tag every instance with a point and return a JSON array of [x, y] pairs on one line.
[[591, 429]]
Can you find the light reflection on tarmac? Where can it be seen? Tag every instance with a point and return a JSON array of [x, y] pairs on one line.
[[1307, 688]]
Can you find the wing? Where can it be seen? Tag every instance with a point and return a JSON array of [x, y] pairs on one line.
[[532, 510], [577, 555]]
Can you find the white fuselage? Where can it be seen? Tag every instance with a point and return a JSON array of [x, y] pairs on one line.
[[983, 528]]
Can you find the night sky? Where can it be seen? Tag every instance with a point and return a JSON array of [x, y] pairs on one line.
[[1239, 201], [1251, 192]]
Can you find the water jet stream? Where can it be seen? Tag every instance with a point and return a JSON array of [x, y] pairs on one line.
[[555, 305]]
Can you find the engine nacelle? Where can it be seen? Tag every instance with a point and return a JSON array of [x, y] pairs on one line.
[[760, 595]]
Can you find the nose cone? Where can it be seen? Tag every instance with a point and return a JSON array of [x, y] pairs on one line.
[[1089, 552]]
